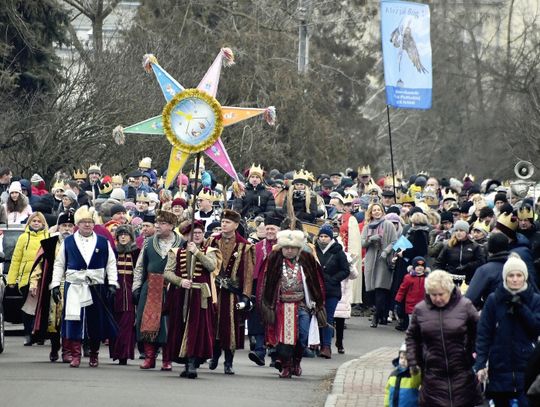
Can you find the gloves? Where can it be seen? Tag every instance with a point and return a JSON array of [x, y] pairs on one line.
[[136, 294], [383, 254], [111, 291], [414, 370], [57, 296]]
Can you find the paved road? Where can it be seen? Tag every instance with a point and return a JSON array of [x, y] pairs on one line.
[[27, 377]]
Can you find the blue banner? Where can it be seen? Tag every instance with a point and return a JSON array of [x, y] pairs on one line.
[[406, 49]]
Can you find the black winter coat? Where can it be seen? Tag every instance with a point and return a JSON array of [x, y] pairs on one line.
[[462, 259], [486, 279], [299, 207], [335, 268], [257, 201], [440, 340], [507, 333]]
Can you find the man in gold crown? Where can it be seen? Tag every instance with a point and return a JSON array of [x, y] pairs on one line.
[[364, 177], [256, 200], [301, 201], [206, 212], [237, 265]]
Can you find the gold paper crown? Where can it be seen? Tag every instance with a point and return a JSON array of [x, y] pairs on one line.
[[145, 163], [94, 168], [105, 189], [142, 197], [79, 174], [372, 187], [481, 226], [431, 198], [303, 176], [160, 181], [256, 170], [348, 199], [117, 179], [405, 198], [388, 180], [192, 175], [207, 194], [447, 193], [364, 170], [470, 176], [508, 220], [58, 185], [399, 175], [525, 213]]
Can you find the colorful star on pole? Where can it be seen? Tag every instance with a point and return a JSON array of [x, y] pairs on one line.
[[192, 120]]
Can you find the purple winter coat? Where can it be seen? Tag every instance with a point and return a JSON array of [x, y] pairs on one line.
[[440, 340]]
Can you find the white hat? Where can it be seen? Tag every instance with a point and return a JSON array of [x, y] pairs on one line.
[[291, 238], [15, 186], [153, 197], [119, 194], [36, 178], [84, 212], [514, 263]]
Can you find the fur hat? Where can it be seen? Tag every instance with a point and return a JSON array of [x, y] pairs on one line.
[[461, 225], [197, 224], [117, 209], [273, 219], [125, 229], [290, 238], [231, 215], [514, 263], [166, 216], [85, 212]]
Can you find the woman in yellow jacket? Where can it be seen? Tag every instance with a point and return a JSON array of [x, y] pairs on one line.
[[23, 258]]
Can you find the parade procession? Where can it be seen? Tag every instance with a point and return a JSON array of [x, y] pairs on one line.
[[266, 236]]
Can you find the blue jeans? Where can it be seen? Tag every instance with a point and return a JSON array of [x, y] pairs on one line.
[[304, 320], [326, 333]]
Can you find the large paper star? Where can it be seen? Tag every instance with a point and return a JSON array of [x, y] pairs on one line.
[[192, 120]]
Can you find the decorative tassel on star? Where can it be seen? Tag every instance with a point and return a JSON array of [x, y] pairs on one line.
[[118, 135], [148, 60], [270, 115], [228, 57], [239, 189]]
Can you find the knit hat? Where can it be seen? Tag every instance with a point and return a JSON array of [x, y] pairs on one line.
[[119, 194], [392, 217], [418, 260], [36, 178], [179, 202], [447, 217], [15, 186], [486, 211], [393, 209], [497, 243], [500, 197], [71, 195], [461, 225], [117, 209], [514, 263], [326, 230]]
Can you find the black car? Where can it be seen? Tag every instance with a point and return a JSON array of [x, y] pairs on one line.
[[12, 299]]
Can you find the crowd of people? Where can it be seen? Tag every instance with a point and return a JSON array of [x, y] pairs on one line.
[[292, 254]]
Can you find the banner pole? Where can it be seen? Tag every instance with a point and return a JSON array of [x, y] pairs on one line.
[[391, 151]]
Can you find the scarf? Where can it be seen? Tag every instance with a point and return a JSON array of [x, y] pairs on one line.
[[519, 290], [151, 317]]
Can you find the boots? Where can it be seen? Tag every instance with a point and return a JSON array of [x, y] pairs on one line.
[[191, 368], [326, 352], [93, 362], [212, 365], [66, 351], [150, 356], [166, 364], [75, 353], [55, 348], [286, 371], [27, 340], [296, 370], [227, 365]]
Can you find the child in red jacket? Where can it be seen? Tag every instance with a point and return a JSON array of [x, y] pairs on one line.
[[411, 291]]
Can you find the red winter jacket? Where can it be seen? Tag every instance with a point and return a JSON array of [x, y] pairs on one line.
[[412, 291]]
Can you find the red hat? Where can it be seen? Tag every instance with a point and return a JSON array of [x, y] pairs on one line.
[[179, 201]]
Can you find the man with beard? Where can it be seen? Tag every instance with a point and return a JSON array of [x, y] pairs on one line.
[[48, 318], [148, 288], [292, 298], [88, 263], [237, 266], [191, 300], [272, 225]]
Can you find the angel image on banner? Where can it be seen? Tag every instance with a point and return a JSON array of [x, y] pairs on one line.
[[192, 119]]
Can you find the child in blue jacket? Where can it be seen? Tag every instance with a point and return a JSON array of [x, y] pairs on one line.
[[402, 386]]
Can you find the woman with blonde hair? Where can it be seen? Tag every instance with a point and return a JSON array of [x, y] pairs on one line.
[[378, 237], [440, 342], [23, 258]]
